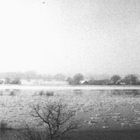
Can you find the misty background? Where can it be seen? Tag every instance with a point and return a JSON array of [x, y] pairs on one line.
[[60, 36]]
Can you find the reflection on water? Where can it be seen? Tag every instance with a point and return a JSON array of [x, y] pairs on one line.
[[133, 92], [78, 92]]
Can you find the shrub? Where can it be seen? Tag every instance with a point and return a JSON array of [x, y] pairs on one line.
[[41, 93], [49, 93], [12, 93], [46, 93], [4, 126], [32, 134], [132, 92], [1, 93]]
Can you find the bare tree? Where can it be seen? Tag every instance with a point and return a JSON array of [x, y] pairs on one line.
[[57, 118]]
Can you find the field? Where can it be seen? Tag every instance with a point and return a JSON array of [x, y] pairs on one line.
[[107, 111]]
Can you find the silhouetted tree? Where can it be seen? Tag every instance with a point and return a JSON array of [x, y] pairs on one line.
[[130, 79], [77, 78], [115, 79]]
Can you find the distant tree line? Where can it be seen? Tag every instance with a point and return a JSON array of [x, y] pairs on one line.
[[14, 81], [79, 79], [32, 75], [130, 79]]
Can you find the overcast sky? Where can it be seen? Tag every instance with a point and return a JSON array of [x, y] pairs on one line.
[[70, 36]]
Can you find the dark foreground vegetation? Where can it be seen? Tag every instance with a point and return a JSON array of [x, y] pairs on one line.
[[127, 134]]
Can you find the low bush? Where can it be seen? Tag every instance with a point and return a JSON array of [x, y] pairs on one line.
[[41, 93], [1, 93], [49, 93], [12, 93], [4, 126], [32, 134], [46, 93]]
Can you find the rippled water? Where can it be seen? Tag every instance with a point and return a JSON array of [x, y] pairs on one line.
[[97, 108]]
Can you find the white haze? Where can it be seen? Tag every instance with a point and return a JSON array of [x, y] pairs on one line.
[[70, 36]]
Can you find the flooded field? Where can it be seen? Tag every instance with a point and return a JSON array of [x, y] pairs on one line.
[[96, 109]]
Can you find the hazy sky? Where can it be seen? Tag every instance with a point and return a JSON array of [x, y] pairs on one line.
[[70, 36]]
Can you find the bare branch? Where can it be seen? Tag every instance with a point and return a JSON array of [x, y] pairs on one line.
[[58, 117]]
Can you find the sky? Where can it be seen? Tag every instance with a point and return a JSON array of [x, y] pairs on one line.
[[70, 36]]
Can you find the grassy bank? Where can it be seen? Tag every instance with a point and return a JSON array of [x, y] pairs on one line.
[[100, 134]]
